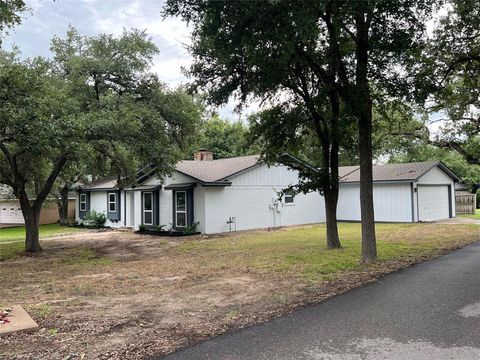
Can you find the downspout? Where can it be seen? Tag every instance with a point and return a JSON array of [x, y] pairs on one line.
[[412, 191], [124, 207]]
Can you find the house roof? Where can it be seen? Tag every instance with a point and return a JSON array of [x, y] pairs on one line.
[[394, 172], [216, 170], [102, 184]]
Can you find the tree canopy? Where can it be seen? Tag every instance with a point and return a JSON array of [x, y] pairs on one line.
[[449, 79], [283, 52], [224, 138], [10, 14], [96, 98]]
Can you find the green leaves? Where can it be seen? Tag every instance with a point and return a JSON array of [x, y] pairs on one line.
[[96, 103], [9, 14], [224, 138]]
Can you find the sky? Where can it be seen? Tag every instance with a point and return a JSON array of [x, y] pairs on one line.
[[48, 18]]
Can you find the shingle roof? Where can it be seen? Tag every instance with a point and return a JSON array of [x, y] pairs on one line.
[[390, 172], [105, 183], [216, 170]]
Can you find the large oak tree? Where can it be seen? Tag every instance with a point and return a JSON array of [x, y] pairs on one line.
[[96, 98], [249, 49]]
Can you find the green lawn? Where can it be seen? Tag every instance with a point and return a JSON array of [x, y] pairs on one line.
[[12, 239], [472, 216], [302, 250], [18, 233]]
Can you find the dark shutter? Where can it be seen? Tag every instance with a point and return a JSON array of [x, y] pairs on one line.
[[81, 214], [156, 206], [114, 216], [190, 207], [189, 212]]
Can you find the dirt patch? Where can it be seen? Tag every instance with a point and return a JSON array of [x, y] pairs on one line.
[[128, 296]]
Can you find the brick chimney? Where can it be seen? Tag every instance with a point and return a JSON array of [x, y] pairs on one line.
[[203, 155]]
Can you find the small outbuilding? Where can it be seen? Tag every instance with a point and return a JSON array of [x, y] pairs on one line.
[[409, 192]]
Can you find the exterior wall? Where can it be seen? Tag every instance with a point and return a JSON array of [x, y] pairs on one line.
[[98, 202], [437, 176], [252, 200], [391, 201], [48, 214], [165, 213], [199, 207], [10, 213]]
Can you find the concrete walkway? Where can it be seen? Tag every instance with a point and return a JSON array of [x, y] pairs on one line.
[[429, 311], [460, 220]]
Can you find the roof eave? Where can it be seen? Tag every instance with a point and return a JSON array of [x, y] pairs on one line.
[[381, 181]]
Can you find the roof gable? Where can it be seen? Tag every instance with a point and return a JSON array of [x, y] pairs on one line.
[[216, 170]]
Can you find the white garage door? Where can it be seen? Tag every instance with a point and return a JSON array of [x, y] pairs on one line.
[[10, 214], [433, 202]]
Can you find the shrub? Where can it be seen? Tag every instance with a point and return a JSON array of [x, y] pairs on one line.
[[160, 228], [142, 228], [191, 229], [95, 219]]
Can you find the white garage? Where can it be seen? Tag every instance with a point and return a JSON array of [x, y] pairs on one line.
[[10, 213], [408, 192], [433, 202]]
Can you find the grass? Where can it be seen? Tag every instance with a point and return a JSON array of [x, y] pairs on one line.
[[18, 233], [472, 216], [302, 250], [11, 250], [88, 290], [12, 239]]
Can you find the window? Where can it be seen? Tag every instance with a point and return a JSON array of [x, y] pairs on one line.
[[83, 202], [181, 209], [112, 202], [148, 208], [288, 197]]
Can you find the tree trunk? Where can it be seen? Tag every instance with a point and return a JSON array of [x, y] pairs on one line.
[[31, 215], [363, 109], [32, 244], [333, 240], [62, 204], [369, 242]]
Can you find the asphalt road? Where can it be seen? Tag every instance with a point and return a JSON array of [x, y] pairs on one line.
[[429, 311]]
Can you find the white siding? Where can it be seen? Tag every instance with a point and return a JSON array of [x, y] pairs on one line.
[[11, 213], [437, 176], [251, 200], [269, 176], [199, 207], [175, 178], [391, 201], [433, 203], [98, 202]]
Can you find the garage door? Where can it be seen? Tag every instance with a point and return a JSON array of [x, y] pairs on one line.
[[433, 202], [10, 214]]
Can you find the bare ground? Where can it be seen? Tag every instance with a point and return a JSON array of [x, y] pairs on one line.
[[120, 295]]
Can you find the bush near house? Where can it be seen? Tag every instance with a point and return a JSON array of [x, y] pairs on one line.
[[94, 219]]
